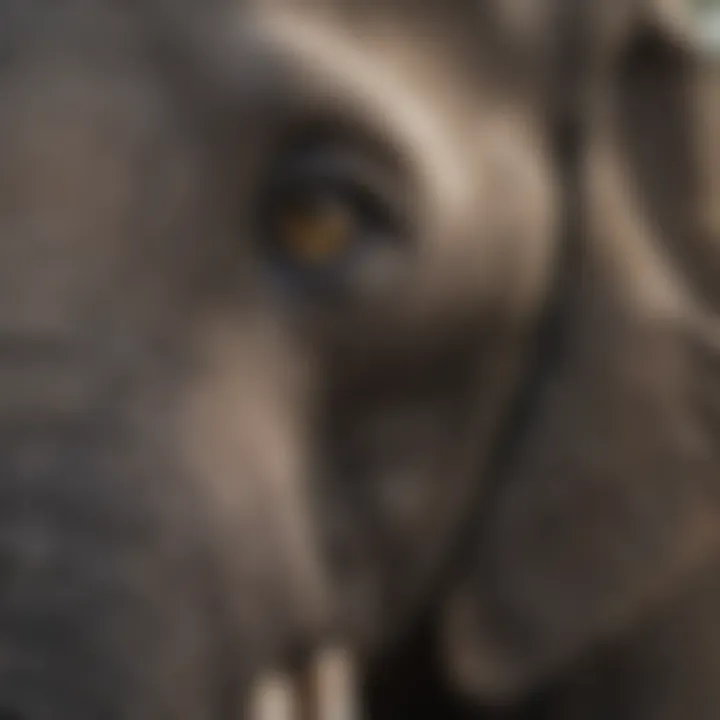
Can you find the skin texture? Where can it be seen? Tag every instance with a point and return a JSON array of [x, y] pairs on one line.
[[499, 453], [140, 574]]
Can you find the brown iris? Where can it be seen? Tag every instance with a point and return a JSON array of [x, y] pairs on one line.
[[315, 230]]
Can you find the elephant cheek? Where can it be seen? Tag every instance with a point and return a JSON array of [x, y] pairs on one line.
[[246, 434]]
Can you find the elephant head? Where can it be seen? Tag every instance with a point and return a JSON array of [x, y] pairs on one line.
[[316, 315]]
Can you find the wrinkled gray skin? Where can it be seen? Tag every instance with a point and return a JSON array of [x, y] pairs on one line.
[[202, 475]]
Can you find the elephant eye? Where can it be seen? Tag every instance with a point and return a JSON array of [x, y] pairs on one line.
[[316, 228], [322, 212]]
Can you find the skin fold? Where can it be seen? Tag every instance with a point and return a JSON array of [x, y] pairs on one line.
[[486, 463]]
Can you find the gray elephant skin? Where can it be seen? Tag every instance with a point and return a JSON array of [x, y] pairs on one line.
[[384, 323]]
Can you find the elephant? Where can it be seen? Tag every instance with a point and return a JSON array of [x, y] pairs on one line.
[[386, 326]]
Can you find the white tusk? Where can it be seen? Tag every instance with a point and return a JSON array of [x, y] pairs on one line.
[[332, 688], [274, 698]]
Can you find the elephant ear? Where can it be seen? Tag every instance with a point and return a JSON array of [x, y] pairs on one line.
[[609, 498], [660, 103]]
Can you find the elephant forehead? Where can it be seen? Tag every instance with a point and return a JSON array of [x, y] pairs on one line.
[[92, 169]]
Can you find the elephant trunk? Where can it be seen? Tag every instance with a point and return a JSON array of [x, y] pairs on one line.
[[156, 553]]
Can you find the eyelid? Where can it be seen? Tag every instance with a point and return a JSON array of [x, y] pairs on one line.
[[331, 167]]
